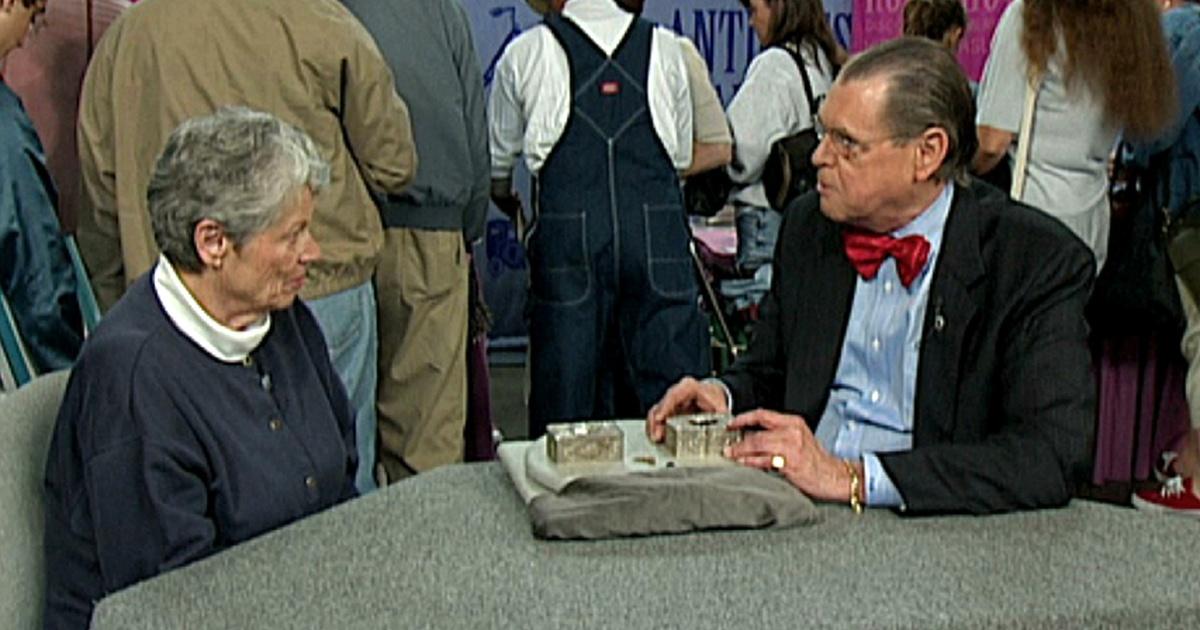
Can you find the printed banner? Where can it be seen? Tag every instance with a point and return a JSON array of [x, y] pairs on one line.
[[876, 21], [720, 29]]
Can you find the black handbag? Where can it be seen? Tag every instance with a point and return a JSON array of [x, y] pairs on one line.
[[706, 193], [789, 171], [1136, 292]]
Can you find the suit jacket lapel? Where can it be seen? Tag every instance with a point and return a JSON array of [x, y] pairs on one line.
[[817, 339], [953, 305]]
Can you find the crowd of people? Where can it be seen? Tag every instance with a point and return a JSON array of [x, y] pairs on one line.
[[279, 222]]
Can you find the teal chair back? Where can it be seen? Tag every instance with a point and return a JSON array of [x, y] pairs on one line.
[[16, 369], [83, 288]]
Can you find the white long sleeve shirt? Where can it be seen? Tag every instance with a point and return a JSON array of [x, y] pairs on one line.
[[770, 105], [531, 103]]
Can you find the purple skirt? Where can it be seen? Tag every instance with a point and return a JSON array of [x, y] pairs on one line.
[[477, 433], [1143, 410]]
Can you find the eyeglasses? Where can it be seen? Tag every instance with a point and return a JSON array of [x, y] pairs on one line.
[[846, 146]]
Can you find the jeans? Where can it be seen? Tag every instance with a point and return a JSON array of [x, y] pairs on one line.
[[757, 231], [347, 319]]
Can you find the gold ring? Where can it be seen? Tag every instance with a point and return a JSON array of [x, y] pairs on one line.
[[778, 462]]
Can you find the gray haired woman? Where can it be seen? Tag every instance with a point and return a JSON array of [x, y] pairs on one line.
[[204, 410]]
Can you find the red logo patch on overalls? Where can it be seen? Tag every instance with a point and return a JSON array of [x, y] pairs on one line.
[[610, 88]]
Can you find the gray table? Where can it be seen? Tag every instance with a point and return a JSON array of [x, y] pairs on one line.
[[453, 549]]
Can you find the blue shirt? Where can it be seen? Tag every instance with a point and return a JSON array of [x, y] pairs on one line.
[[870, 407], [1182, 138]]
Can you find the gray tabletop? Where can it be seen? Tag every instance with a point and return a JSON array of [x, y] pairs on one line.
[[453, 549]]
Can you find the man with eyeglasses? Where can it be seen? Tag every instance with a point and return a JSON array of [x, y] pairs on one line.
[[36, 277], [925, 344]]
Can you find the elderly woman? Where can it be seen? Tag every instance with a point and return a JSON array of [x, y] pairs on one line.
[[204, 410]]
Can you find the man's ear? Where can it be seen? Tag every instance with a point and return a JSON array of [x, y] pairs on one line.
[[932, 146], [212, 244]]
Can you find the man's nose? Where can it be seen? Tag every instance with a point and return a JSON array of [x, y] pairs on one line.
[[822, 156]]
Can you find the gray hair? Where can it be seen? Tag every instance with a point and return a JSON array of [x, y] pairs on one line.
[[926, 89], [238, 167]]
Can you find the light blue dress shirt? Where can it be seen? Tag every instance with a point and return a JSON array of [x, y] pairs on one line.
[[870, 407]]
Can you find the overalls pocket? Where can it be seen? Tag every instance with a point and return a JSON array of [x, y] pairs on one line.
[[558, 259], [670, 267]]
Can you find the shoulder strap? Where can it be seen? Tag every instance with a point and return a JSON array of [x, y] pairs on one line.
[[638, 27], [558, 25], [1023, 139], [564, 28], [808, 91]]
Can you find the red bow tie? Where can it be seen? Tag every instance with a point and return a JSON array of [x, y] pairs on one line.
[[867, 251]]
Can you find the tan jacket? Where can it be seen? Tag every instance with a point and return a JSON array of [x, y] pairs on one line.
[[310, 62], [709, 125]]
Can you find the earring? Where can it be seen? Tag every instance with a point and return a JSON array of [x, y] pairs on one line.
[[216, 263]]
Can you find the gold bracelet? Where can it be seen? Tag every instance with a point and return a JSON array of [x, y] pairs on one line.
[[855, 484]]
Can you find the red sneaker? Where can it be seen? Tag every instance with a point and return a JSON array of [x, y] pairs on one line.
[[1174, 497]]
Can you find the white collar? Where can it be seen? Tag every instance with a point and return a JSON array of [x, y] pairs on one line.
[[220, 341], [604, 22], [594, 9]]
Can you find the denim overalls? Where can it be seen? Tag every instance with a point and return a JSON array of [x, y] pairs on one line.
[[613, 311]]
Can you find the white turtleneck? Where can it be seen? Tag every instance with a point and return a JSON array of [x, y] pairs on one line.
[[220, 341]]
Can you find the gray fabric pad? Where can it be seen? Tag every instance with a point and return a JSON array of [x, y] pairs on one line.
[[670, 501]]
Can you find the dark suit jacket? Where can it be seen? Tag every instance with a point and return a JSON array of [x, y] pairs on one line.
[[1005, 395]]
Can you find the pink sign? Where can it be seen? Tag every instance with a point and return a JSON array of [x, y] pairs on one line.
[[874, 21]]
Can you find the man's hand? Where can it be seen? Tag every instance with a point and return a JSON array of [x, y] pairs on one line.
[[806, 464], [510, 206], [506, 199], [686, 396]]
